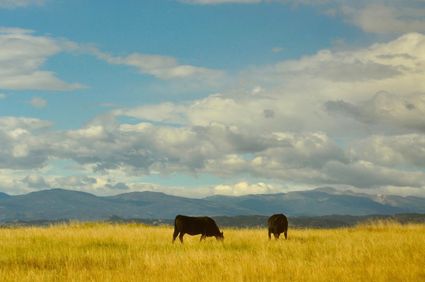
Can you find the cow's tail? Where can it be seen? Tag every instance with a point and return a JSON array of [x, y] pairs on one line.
[[176, 232], [175, 221]]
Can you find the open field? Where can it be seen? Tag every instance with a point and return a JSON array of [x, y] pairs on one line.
[[130, 252]]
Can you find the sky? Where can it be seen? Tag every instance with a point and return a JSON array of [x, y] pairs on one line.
[[206, 97]]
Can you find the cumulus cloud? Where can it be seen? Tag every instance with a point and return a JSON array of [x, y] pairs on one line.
[[380, 62], [265, 135], [296, 90], [260, 133], [21, 147], [310, 158], [363, 174], [244, 188], [393, 151], [294, 129], [391, 110], [145, 148], [11, 182], [382, 83], [17, 123], [35, 181], [74, 181]]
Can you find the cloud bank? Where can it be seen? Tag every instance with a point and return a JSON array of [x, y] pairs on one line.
[[350, 118]]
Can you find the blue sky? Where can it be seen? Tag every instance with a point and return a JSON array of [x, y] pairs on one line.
[[204, 97]]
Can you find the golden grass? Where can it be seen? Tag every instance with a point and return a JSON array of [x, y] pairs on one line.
[[382, 251]]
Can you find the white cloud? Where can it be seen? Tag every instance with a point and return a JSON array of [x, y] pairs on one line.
[[394, 151], [244, 188], [22, 55], [38, 102], [365, 174], [327, 92], [14, 123], [228, 134], [22, 148], [35, 181], [386, 110], [299, 90], [375, 16], [11, 182], [162, 67], [387, 17], [309, 122], [74, 181], [19, 3], [89, 132]]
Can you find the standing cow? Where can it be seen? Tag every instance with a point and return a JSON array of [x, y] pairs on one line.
[[278, 223], [204, 225]]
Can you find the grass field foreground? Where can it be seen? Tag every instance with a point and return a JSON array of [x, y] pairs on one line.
[[380, 251]]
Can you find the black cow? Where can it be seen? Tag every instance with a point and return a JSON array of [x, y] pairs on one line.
[[278, 223], [204, 225]]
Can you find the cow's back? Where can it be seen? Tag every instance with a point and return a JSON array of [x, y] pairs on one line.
[[190, 225], [278, 223]]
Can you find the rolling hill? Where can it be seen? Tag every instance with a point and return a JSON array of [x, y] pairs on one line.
[[58, 204]]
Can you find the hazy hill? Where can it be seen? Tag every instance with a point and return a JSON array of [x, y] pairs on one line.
[[57, 204]]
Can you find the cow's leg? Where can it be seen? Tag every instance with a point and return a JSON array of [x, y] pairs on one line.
[[175, 234], [181, 237], [270, 233], [276, 235], [202, 237], [286, 235]]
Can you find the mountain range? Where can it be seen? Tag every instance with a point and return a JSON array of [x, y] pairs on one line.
[[60, 204]]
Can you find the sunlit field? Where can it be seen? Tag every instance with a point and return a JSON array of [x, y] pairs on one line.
[[131, 252]]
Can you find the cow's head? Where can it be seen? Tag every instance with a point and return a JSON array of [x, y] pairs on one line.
[[220, 236]]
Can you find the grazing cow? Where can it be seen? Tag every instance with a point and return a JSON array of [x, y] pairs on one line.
[[278, 223], [204, 225]]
